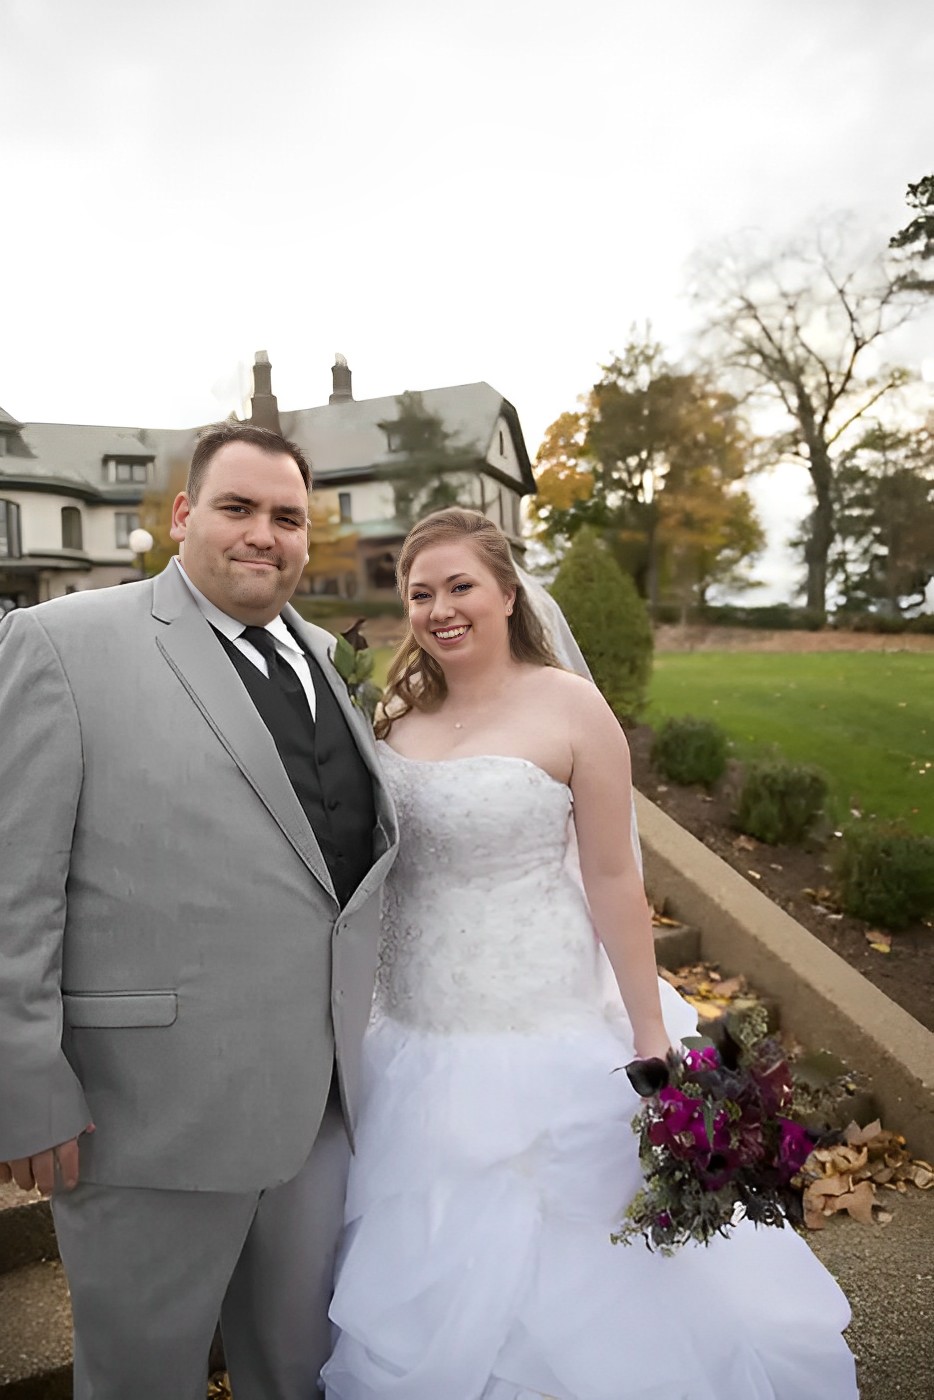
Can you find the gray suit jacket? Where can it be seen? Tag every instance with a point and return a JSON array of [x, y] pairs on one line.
[[175, 966]]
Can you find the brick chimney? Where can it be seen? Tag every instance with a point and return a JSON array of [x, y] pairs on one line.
[[341, 380], [265, 411]]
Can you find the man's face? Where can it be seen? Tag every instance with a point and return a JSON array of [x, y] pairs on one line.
[[244, 541]]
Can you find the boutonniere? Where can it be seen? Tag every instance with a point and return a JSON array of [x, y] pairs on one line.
[[353, 661]]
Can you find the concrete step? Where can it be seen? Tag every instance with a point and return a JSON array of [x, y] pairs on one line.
[[27, 1235], [676, 947], [35, 1333]]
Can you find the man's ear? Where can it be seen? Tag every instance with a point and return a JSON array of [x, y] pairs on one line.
[[180, 513]]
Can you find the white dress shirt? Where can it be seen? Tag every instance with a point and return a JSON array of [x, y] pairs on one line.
[[286, 646]]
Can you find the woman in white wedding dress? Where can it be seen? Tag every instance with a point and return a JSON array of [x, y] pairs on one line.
[[494, 1149]]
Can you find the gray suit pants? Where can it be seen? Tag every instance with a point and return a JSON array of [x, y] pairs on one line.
[[151, 1271]]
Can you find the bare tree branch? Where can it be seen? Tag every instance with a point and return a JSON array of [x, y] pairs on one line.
[[796, 326]]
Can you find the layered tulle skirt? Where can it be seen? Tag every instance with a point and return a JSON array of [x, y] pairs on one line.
[[477, 1263]]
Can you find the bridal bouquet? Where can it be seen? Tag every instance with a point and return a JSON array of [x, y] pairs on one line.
[[714, 1144]]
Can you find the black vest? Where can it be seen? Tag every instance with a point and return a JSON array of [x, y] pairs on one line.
[[324, 765]]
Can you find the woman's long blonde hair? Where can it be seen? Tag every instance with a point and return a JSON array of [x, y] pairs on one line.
[[415, 681]]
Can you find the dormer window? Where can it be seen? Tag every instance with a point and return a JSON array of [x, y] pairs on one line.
[[126, 471]]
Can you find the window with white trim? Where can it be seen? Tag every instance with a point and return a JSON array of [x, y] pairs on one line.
[[71, 528], [11, 545], [125, 522]]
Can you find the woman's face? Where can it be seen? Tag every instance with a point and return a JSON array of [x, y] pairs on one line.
[[457, 609]]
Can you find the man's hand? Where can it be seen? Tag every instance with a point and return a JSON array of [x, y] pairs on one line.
[[56, 1167]]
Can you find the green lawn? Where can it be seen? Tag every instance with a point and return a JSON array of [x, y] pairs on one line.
[[865, 718], [381, 659]]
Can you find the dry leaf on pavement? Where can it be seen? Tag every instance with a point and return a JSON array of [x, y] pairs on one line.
[[844, 1175]]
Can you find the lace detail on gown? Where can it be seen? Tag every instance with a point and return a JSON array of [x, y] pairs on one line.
[[464, 947]]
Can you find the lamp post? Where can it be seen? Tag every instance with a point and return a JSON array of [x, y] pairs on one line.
[[140, 541]]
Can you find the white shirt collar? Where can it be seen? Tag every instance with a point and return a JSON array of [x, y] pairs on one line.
[[231, 627]]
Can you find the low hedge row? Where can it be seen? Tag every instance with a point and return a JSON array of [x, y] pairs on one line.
[[884, 874], [781, 617]]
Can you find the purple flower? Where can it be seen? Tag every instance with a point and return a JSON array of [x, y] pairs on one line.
[[663, 1220], [720, 1170], [794, 1148], [773, 1081], [749, 1142], [707, 1057], [680, 1127]]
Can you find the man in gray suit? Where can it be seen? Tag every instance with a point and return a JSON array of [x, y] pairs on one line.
[[193, 834]]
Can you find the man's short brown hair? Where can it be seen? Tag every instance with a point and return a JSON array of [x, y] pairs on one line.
[[218, 435]]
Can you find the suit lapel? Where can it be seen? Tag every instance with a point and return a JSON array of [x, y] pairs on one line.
[[198, 659]]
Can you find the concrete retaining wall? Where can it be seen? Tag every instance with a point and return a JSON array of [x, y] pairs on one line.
[[824, 1002]]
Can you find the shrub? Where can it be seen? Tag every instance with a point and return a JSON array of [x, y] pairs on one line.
[[772, 617], [780, 803], [924, 622], [886, 875], [320, 606], [874, 622], [690, 750], [609, 620]]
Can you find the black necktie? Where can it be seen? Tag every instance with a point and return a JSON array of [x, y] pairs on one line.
[[280, 672]]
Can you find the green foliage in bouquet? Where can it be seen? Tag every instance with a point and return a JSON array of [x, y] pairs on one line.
[[886, 875], [781, 803], [691, 750], [609, 620]]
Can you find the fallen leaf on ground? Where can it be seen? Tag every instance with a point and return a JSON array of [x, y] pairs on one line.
[[706, 1010], [731, 987], [745, 843], [663, 921], [844, 1175], [881, 942]]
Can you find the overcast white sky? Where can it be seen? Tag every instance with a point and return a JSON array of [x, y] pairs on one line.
[[445, 192]]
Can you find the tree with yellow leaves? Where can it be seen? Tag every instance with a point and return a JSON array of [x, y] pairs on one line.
[[654, 460], [332, 547]]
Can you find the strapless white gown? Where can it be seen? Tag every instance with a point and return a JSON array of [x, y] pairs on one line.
[[495, 1152]]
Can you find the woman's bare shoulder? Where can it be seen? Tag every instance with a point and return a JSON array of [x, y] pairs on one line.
[[571, 689]]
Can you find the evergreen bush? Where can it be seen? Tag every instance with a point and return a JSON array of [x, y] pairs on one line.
[[886, 875], [609, 620], [690, 750], [771, 617], [875, 622], [780, 803], [317, 607]]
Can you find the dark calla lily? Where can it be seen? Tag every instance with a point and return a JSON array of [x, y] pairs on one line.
[[648, 1076], [354, 636]]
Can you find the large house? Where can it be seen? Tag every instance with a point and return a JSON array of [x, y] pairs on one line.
[[70, 493]]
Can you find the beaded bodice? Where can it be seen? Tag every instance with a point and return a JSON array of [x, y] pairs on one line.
[[484, 925]]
